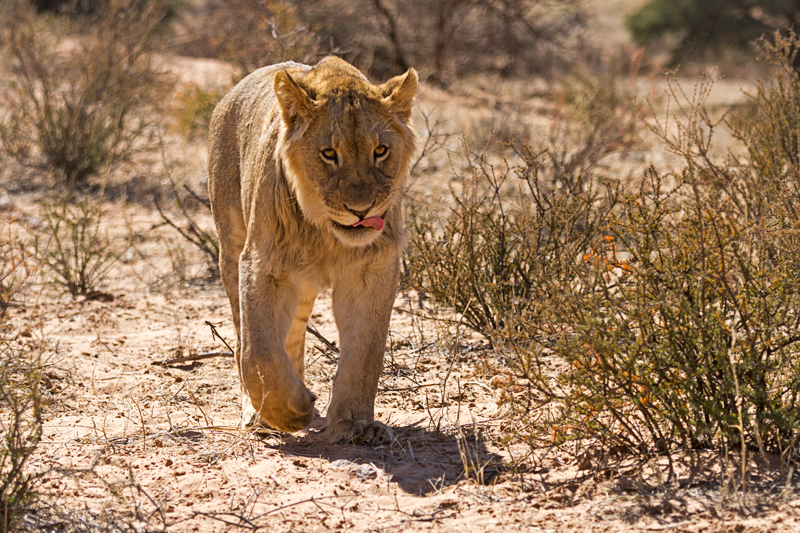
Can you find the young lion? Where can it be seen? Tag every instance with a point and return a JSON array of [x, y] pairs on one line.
[[305, 175]]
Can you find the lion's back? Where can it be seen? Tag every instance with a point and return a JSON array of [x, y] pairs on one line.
[[239, 115]]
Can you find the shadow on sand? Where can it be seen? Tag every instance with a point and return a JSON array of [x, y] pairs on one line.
[[420, 461]]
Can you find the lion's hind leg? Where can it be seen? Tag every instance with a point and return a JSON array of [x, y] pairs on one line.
[[296, 339], [229, 253]]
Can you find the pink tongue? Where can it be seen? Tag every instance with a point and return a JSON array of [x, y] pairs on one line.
[[372, 222]]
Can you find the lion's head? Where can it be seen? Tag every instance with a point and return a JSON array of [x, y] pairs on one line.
[[347, 145]]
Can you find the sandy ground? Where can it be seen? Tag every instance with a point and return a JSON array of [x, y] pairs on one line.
[[132, 443]]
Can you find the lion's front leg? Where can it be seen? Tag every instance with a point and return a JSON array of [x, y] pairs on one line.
[[362, 306], [268, 304]]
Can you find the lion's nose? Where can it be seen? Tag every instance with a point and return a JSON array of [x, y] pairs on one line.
[[360, 211]]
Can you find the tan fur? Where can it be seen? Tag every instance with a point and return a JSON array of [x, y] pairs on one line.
[[285, 218]]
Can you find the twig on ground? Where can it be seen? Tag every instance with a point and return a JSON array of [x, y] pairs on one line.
[[215, 333], [332, 347], [312, 499], [189, 358], [412, 387], [216, 516]]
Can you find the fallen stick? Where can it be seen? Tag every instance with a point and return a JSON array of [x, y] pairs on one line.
[[190, 358], [332, 347]]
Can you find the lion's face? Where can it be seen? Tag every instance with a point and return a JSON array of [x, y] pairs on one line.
[[347, 147]]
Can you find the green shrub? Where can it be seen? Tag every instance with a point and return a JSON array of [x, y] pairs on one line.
[[697, 29], [83, 88]]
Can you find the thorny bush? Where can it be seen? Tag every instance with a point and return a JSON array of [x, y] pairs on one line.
[[647, 317]]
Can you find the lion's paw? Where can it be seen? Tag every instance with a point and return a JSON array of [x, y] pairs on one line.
[[289, 418], [359, 432]]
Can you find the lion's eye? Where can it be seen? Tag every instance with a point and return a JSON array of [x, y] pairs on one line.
[[329, 154], [381, 152]]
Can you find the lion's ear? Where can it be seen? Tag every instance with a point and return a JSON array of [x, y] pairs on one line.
[[296, 105], [399, 92]]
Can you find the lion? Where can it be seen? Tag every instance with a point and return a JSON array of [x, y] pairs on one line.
[[305, 176]]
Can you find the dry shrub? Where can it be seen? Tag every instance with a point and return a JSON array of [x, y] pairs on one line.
[[83, 89], [20, 399], [14, 265], [254, 33], [516, 229], [20, 430], [192, 109], [682, 333], [510, 240], [771, 133], [442, 39], [449, 38], [667, 319], [187, 202], [74, 248]]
